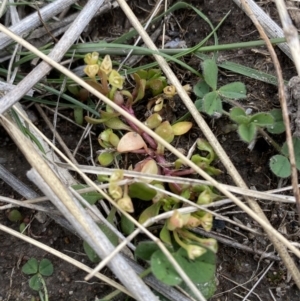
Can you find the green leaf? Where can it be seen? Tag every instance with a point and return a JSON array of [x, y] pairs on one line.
[[278, 127], [91, 197], [280, 166], [30, 267], [238, 115], [141, 191], [201, 88], [15, 215], [200, 270], [212, 103], [210, 73], [22, 228], [78, 116], [91, 254], [35, 282], [164, 235], [247, 132], [262, 119], [106, 158], [127, 225], [156, 86], [113, 238], [296, 145], [145, 249], [46, 267], [198, 105], [163, 270], [149, 212], [236, 90]]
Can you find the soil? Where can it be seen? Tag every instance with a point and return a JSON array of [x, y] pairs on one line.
[[237, 270]]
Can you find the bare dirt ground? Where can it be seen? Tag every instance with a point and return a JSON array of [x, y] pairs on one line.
[[237, 270]]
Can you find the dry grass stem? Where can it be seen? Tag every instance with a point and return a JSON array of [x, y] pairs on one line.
[[289, 263]]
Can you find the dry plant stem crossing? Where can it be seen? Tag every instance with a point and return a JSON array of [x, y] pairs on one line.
[[285, 114], [33, 20], [213, 182], [56, 54], [62, 256], [271, 27], [77, 216], [293, 41], [290, 265]]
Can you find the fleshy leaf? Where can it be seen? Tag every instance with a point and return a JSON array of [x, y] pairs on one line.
[[212, 103], [247, 132], [163, 270], [131, 141], [78, 115], [236, 90], [210, 73], [15, 215], [280, 166], [106, 158], [165, 131], [117, 124], [181, 128], [153, 121], [165, 236], [139, 90], [141, 191], [156, 86], [149, 212], [91, 197], [127, 225], [91, 254]]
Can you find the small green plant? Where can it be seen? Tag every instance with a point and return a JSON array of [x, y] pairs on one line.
[[121, 136], [248, 124], [200, 269], [38, 270], [280, 164], [209, 96]]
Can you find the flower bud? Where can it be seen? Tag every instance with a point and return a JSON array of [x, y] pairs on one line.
[[125, 203], [193, 222], [91, 58], [106, 65], [115, 190], [194, 251], [118, 98], [207, 221], [91, 70], [115, 79], [204, 198], [170, 91], [209, 243], [177, 220]]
